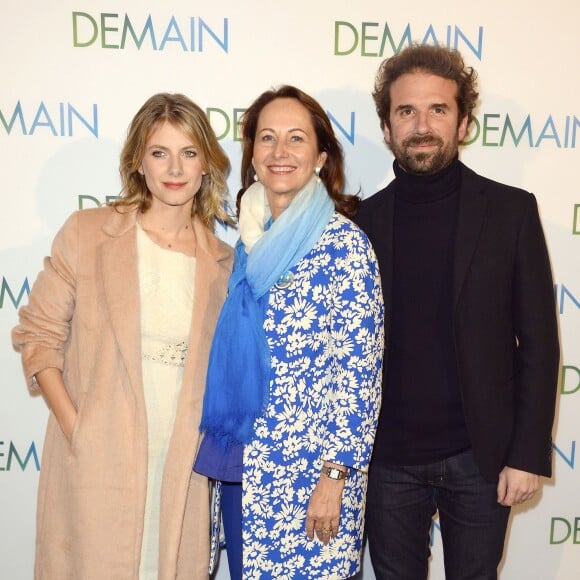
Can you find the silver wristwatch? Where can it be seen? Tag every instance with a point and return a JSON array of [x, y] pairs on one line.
[[334, 472]]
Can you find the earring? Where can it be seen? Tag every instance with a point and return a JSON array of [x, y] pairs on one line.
[[317, 173], [256, 178]]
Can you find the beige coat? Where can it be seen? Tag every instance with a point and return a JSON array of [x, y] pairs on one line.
[[83, 318]]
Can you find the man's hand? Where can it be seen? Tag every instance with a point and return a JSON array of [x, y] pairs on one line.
[[516, 486]]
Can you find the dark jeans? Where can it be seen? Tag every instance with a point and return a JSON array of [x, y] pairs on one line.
[[401, 502]]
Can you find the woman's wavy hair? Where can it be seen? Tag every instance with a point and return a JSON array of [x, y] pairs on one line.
[[211, 201], [435, 60], [332, 172]]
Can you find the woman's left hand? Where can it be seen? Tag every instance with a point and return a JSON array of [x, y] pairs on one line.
[[323, 514]]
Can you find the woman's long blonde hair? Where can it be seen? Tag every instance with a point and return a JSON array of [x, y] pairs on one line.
[[211, 201]]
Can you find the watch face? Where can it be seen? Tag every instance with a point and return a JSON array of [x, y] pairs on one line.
[[334, 473]]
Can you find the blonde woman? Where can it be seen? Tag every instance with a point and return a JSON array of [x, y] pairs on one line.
[[116, 336]]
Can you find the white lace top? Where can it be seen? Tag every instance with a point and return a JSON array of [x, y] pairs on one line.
[[166, 281]]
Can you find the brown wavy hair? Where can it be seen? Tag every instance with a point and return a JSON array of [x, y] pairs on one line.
[[332, 172], [211, 201], [436, 60]]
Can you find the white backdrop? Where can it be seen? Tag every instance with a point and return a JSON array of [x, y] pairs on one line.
[[74, 73]]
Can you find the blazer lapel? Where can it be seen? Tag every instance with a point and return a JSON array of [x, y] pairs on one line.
[[121, 288], [385, 224], [471, 215]]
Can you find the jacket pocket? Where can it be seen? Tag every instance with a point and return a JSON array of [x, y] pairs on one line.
[[78, 423]]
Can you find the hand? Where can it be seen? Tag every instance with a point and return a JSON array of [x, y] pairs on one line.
[[516, 486], [323, 514], [67, 424]]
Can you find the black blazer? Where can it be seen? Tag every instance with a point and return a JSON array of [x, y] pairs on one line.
[[504, 319]]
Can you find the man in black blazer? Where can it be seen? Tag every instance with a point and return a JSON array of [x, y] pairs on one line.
[[471, 362]]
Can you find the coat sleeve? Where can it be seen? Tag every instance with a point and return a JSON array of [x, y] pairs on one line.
[[357, 346], [45, 321], [537, 357]]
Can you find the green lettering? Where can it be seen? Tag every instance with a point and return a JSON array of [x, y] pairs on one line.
[[487, 129], [105, 29], [365, 37], [91, 21], [565, 370], [209, 111], [342, 25]]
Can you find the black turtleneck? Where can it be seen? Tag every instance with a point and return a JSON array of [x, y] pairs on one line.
[[422, 417]]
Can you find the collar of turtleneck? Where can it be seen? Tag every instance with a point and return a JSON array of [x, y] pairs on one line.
[[425, 188]]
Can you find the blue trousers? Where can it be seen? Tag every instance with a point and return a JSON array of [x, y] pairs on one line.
[[401, 503], [232, 520]]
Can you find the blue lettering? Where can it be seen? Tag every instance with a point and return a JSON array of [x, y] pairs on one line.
[[93, 128], [147, 29], [477, 50], [406, 38], [60, 123], [545, 135], [565, 293], [430, 37], [42, 112], [173, 27], [350, 134], [435, 527], [223, 42], [526, 127], [5, 289], [569, 459], [17, 114], [13, 454]]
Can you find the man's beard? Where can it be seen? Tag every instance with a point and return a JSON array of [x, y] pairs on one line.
[[423, 163]]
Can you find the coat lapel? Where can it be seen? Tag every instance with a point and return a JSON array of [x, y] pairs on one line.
[[209, 294], [471, 215], [121, 288]]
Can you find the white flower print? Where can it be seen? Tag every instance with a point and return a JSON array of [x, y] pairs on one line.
[[326, 342], [300, 314], [342, 342]]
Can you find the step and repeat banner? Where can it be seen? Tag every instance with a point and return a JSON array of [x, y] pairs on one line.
[[75, 72]]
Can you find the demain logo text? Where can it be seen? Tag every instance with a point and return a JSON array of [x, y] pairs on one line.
[[503, 129], [120, 31], [62, 119], [226, 124], [378, 39]]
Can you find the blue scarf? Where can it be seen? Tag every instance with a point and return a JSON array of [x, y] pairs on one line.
[[238, 377]]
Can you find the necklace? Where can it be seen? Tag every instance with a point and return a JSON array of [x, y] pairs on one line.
[[160, 238], [169, 245]]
